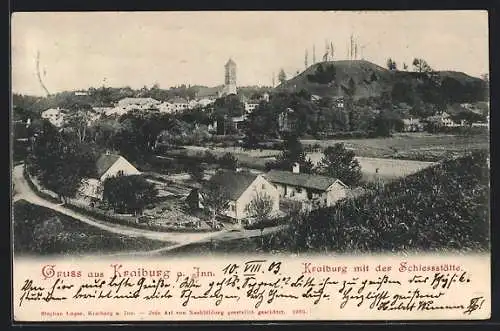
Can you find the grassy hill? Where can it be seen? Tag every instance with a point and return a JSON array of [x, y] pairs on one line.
[[370, 80]]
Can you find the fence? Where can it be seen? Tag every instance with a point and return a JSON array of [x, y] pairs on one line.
[[101, 214]]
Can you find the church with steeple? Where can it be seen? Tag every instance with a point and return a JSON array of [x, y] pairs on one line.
[[229, 78], [229, 86]]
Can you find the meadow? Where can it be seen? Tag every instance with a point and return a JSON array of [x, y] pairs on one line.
[[42, 231]]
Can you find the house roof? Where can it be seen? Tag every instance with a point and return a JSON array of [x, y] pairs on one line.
[[316, 182], [411, 121], [235, 183], [230, 62], [138, 101], [104, 162], [178, 100], [204, 92]]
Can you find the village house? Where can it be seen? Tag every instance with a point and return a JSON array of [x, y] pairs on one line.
[[55, 116], [107, 165], [313, 191], [179, 104], [210, 93], [128, 104], [250, 106], [241, 188], [338, 102], [205, 102], [412, 125], [239, 121], [166, 107], [442, 120]]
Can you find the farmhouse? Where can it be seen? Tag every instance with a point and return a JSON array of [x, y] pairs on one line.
[[412, 125], [127, 104], [107, 165], [441, 120], [250, 106], [179, 103], [55, 116], [313, 191], [241, 188], [166, 107]]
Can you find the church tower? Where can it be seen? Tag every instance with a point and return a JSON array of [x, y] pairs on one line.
[[230, 77]]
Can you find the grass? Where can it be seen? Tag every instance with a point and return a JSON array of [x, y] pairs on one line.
[[219, 247], [42, 231], [411, 146]]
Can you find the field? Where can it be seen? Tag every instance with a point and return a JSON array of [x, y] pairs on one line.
[[383, 158], [42, 231], [411, 146]]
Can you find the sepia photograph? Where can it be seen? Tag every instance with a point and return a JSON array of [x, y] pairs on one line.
[[163, 134]]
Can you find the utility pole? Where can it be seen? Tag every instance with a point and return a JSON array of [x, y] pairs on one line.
[[306, 61], [314, 54], [352, 47]]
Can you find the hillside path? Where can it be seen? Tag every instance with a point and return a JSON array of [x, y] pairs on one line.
[[24, 191]]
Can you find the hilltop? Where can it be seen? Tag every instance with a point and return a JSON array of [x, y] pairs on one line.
[[371, 80]]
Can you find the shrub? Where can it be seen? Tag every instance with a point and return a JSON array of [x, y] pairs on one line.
[[444, 207]]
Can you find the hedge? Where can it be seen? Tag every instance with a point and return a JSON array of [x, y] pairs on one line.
[[35, 189]]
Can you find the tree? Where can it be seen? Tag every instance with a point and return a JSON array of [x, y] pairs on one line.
[[215, 199], [323, 74], [391, 65], [228, 161], [78, 122], [420, 65], [61, 162], [282, 76], [260, 207], [385, 123], [338, 162], [196, 170], [293, 152], [129, 193]]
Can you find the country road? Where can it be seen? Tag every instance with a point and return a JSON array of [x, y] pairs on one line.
[[24, 191]]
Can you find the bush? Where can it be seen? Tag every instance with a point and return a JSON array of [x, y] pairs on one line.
[[267, 223], [441, 208], [228, 161]]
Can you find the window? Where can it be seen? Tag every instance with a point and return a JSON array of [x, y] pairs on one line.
[[263, 186], [233, 208], [299, 190]]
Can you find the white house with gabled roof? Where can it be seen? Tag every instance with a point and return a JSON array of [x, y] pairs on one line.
[[107, 165]]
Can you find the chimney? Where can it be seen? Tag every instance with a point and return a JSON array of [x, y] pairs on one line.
[[108, 152], [296, 168]]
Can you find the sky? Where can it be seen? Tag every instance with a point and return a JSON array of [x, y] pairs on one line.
[[136, 49]]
